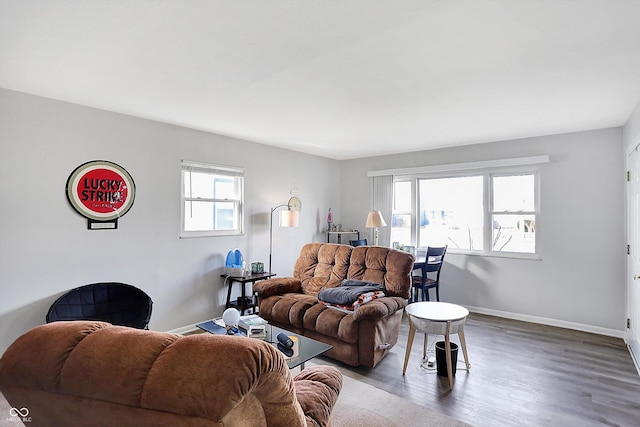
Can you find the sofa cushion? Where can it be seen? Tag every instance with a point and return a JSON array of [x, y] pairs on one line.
[[379, 308], [322, 265], [287, 309], [279, 285], [345, 326], [332, 323], [382, 265], [317, 390]]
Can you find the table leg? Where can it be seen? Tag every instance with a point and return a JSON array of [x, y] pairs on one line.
[[230, 285], [254, 300], [424, 345], [463, 343], [412, 334], [243, 294], [447, 346]]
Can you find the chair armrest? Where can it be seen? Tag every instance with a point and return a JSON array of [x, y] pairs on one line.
[[317, 389], [379, 308], [277, 286]]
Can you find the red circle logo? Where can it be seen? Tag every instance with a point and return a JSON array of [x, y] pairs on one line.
[[100, 190]]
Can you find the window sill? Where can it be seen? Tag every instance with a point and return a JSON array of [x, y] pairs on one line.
[[510, 255], [199, 234]]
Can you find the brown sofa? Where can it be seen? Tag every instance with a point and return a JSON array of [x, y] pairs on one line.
[[363, 337], [82, 373]]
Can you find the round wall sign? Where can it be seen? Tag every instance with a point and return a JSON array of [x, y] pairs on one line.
[[101, 191]]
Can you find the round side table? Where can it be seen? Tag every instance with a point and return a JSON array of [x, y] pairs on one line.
[[440, 318]]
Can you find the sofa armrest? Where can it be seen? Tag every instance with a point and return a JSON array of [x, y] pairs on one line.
[[317, 389], [277, 286], [379, 308]]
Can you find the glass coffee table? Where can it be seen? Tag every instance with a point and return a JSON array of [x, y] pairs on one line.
[[307, 348]]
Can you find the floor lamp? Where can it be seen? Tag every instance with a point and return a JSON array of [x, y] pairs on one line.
[[288, 218], [375, 220]]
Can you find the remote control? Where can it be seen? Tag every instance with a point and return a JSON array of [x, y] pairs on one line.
[[285, 340], [286, 350]]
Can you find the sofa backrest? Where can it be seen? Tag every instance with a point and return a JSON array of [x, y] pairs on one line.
[[93, 373], [377, 264], [325, 265], [322, 265]]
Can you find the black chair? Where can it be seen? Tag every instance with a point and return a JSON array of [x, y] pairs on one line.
[[361, 242], [432, 264], [116, 303]]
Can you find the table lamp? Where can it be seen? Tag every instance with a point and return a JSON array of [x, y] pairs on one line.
[[375, 220]]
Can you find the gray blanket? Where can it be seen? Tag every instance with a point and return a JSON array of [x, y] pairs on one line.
[[348, 292]]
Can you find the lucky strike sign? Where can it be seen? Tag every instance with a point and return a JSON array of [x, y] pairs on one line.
[[100, 190]]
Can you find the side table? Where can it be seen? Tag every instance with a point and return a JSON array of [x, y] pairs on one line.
[[340, 233], [243, 305], [440, 318]]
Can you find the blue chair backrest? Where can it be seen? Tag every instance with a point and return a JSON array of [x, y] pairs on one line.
[[435, 258]]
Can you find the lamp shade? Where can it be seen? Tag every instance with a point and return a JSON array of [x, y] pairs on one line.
[[289, 218], [375, 219]]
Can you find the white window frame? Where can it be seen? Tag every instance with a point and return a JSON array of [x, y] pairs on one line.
[[450, 248], [216, 170], [413, 214], [488, 212]]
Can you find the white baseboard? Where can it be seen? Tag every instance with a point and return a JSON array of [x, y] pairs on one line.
[[550, 322], [634, 358]]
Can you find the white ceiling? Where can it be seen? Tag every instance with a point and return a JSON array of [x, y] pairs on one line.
[[341, 79]]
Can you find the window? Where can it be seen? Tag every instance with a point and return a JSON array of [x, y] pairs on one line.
[[485, 213], [513, 213], [212, 200], [451, 212], [402, 214]]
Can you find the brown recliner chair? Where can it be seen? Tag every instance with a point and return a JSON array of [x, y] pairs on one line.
[[361, 337], [79, 373]]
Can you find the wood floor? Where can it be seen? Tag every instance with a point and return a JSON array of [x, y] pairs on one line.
[[522, 374]]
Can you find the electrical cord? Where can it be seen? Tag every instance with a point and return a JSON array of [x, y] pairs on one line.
[[425, 360], [431, 352]]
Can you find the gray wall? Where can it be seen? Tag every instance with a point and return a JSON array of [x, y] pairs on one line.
[[579, 282], [45, 247]]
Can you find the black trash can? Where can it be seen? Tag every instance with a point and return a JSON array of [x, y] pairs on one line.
[[441, 358]]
